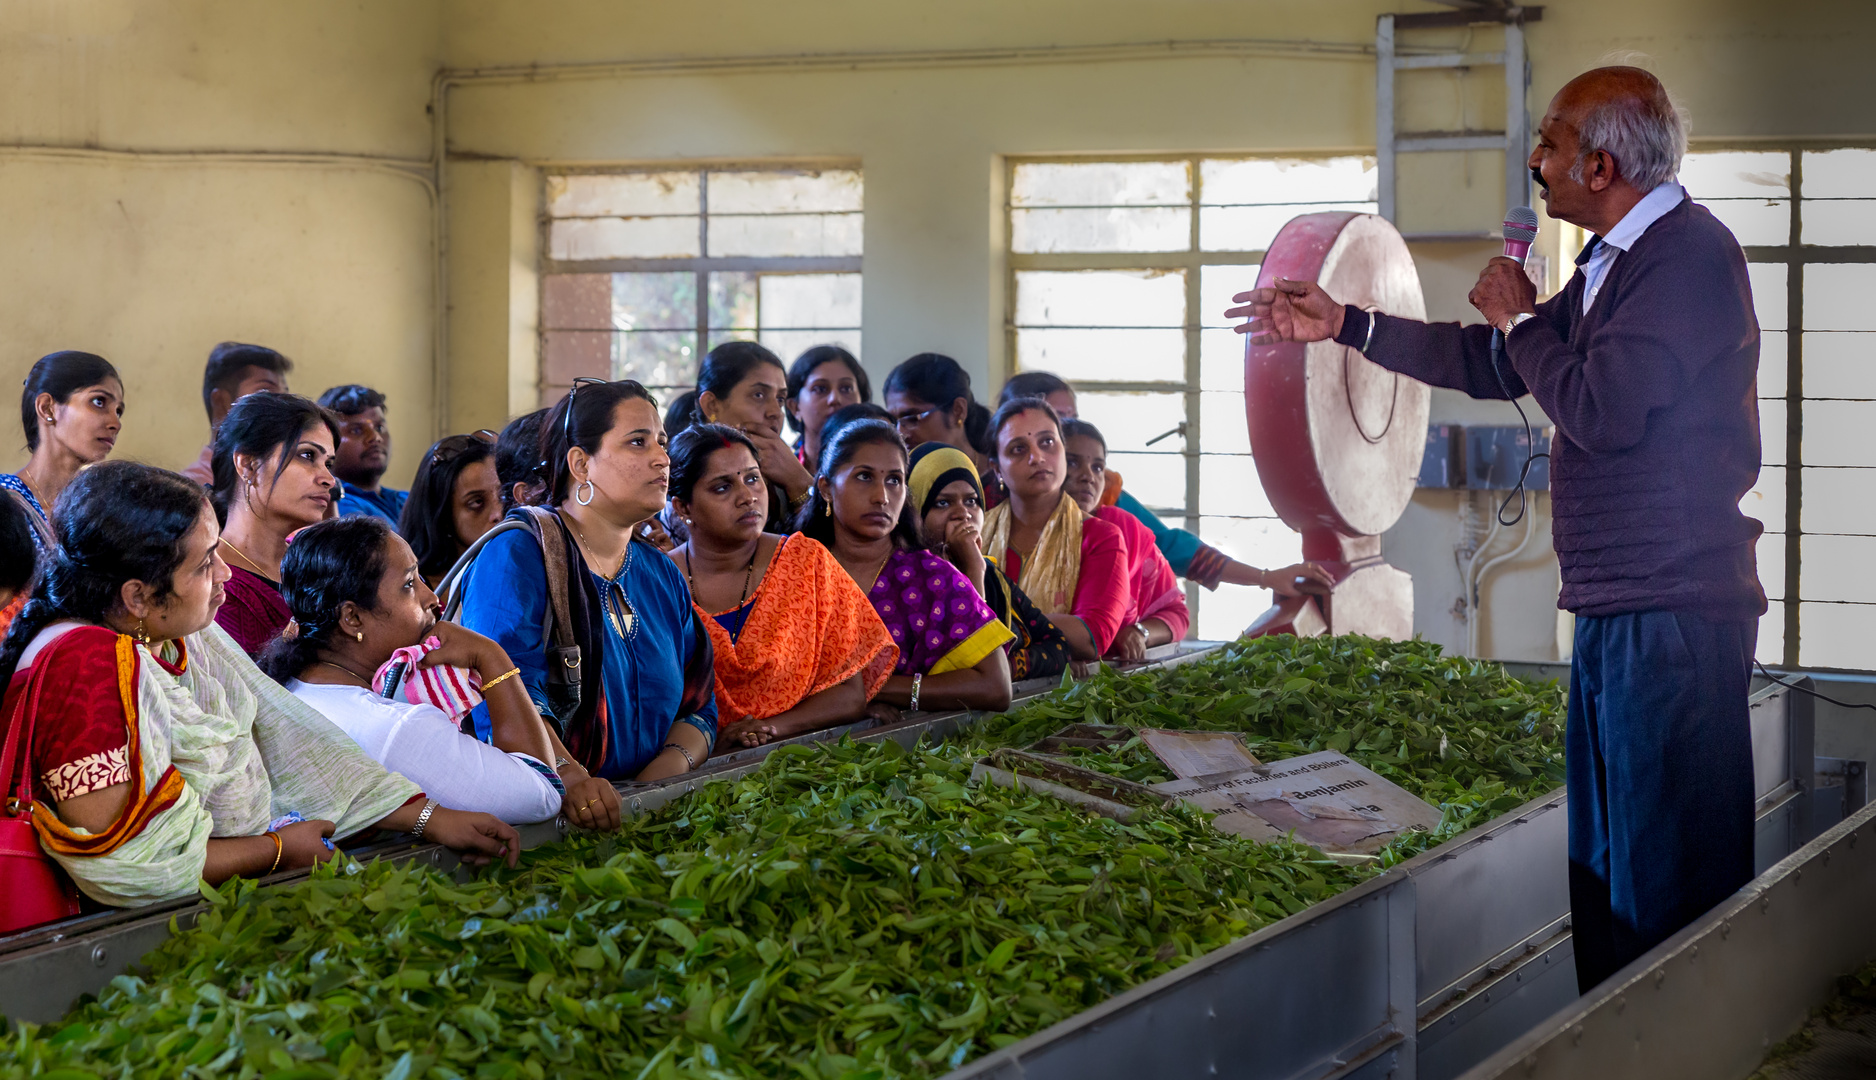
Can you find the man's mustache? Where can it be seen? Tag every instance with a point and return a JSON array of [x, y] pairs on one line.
[[1537, 178]]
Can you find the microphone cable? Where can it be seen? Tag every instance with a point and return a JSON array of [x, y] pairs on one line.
[[1813, 693], [1530, 440]]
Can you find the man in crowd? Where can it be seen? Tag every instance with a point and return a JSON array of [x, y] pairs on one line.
[[1647, 363], [234, 371], [364, 453]]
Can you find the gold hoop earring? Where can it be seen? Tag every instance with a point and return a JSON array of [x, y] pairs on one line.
[[360, 635], [142, 635]]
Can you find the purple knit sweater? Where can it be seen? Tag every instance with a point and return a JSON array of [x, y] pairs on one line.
[[1654, 396]]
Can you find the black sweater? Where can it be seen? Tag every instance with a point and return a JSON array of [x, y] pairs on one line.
[[1654, 394]]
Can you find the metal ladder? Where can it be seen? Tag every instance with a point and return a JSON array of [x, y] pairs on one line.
[[1514, 140]]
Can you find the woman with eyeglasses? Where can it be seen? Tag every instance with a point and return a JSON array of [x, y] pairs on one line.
[[273, 477], [950, 642], [798, 648], [930, 399], [612, 654], [454, 499]]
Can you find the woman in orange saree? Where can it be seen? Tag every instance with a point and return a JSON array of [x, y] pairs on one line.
[[798, 645]]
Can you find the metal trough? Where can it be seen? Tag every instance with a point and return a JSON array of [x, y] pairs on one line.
[[1425, 970], [1711, 1000], [44, 970], [1422, 972]]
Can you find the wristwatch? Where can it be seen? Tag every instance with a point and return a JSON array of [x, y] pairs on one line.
[[1512, 323]]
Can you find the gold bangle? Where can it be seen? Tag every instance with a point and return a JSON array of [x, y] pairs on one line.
[[280, 849], [509, 674]]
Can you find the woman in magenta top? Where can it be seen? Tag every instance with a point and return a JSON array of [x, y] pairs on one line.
[[1074, 566], [1157, 614], [273, 477], [949, 643]]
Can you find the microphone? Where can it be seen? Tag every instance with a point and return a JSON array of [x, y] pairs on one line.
[[1520, 232]]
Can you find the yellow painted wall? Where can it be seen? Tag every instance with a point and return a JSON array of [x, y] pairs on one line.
[[150, 258]]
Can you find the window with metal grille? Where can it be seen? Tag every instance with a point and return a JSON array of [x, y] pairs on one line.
[[645, 271], [1121, 271], [1807, 219]]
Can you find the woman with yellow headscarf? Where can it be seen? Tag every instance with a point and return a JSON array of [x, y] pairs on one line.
[[947, 497]]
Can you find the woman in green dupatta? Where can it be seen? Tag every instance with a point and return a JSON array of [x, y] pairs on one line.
[[160, 755]]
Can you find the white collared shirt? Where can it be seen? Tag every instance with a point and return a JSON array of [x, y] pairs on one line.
[[1649, 210]]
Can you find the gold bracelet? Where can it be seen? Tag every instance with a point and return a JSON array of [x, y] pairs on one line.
[[280, 849], [509, 674]]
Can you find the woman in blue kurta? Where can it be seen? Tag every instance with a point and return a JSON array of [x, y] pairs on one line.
[[647, 709]]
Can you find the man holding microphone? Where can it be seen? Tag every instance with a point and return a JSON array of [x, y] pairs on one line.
[[1647, 363]]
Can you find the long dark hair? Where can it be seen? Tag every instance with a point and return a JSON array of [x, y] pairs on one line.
[[259, 426], [728, 364], [680, 413], [1033, 384], [805, 364], [19, 558], [1081, 429], [60, 374], [118, 521], [938, 380], [429, 518], [691, 450], [518, 455], [816, 519], [326, 565], [847, 414], [592, 405]]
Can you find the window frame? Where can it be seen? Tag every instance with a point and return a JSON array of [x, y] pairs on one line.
[[701, 266], [1795, 255], [1192, 261]]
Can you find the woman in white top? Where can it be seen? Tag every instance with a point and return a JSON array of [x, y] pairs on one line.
[[356, 594]]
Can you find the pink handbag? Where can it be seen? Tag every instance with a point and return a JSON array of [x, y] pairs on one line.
[[33, 889]]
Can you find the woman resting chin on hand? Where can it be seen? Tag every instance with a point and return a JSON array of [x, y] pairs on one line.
[[357, 591]]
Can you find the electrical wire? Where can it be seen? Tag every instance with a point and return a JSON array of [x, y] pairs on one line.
[[1530, 441], [1813, 693]]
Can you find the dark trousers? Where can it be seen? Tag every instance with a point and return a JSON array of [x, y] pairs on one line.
[[1659, 752]]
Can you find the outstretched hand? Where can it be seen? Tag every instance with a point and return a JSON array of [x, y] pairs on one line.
[[1287, 311]]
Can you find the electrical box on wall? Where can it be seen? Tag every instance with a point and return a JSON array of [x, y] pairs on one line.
[[1444, 465], [1483, 458], [1495, 456]]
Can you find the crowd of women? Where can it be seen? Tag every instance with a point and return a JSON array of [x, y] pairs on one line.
[[208, 681]]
